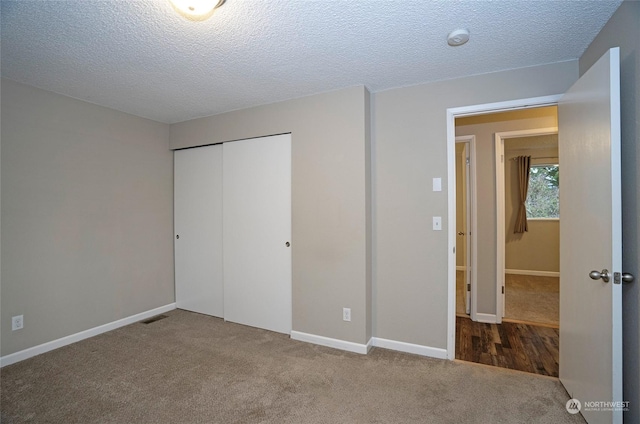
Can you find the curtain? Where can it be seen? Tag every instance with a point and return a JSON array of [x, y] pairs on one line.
[[523, 164]]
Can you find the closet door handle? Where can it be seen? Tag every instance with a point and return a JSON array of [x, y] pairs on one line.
[[287, 244]]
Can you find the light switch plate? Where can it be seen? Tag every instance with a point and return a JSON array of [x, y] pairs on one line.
[[437, 223], [437, 184]]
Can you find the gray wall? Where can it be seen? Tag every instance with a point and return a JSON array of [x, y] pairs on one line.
[[623, 30], [87, 213], [330, 202], [411, 149]]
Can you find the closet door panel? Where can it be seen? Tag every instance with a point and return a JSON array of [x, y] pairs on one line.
[[198, 230], [257, 229]]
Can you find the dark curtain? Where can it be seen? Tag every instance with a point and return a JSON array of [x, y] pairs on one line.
[[523, 164]]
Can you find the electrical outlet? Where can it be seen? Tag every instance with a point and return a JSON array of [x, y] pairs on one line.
[[17, 322], [346, 314]]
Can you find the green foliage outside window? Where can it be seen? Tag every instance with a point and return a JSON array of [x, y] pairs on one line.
[[543, 195]]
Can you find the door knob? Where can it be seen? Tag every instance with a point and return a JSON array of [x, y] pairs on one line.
[[627, 278], [287, 244], [604, 275]]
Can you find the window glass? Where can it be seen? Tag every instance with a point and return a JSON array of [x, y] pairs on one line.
[[543, 194]]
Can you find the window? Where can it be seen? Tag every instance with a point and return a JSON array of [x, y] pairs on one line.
[[543, 195]]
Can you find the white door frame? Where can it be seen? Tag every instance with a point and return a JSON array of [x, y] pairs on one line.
[[471, 245], [500, 209], [452, 114]]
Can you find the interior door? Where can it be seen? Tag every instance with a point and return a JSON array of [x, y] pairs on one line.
[[198, 229], [466, 225], [257, 232], [462, 223], [590, 239]]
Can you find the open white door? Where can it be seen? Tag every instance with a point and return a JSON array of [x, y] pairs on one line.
[[591, 239], [467, 234], [465, 215]]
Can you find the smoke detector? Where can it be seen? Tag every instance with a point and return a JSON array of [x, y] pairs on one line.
[[458, 37]]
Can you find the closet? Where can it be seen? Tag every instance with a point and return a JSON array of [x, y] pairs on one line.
[[232, 209]]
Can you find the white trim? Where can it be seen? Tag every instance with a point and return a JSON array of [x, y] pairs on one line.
[[452, 113], [506, 106], [73, 338], [334, 343], [500, 223], [487, 318], [616, 224], [532, 272], [500, 137], [451, 246], [433, 352], [528, 133]]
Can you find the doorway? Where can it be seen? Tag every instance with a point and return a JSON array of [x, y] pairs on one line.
[[482, 337], [528, 244], [589, 130]]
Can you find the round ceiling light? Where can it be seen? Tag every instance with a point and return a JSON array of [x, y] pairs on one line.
[[196, 10], [458, 37]]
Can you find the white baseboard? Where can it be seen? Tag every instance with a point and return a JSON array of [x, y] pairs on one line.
[[486, 318], [334, 343], [374, 341], [433, 352], [532, 272], [55, 344]]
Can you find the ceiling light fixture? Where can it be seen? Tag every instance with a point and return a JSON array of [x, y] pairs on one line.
[[196, 10], [458, 37]]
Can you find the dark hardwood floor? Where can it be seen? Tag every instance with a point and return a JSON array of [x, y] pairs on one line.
[[517, 346]]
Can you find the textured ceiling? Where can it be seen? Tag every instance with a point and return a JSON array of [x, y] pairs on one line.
[[141, 57]]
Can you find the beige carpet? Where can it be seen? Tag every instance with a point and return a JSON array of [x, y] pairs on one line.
[[533, 299], [190, 368]]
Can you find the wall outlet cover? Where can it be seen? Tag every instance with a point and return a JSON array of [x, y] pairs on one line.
[[346, 314], [17, 322]]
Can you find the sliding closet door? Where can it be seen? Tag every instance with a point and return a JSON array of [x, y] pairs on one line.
[[198, 229], [257, 232]]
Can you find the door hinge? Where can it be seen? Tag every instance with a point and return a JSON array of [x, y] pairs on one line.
[[468, 287], [502, 289]]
